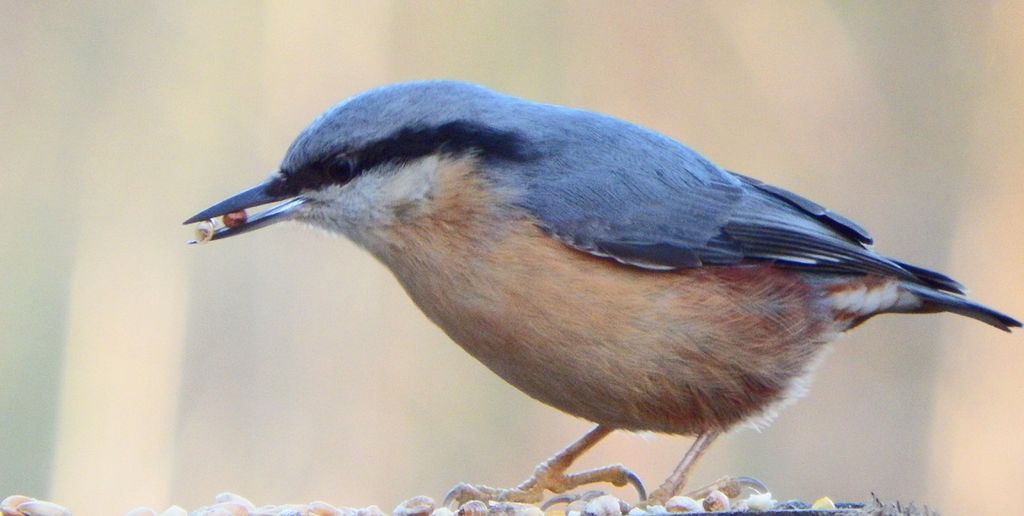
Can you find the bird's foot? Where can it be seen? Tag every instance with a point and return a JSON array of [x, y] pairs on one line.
[[546, 478], [464, 492]]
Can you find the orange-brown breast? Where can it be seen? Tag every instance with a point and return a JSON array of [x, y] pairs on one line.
[[679, 351]]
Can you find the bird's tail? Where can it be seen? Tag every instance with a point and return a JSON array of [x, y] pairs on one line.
[[919, 291], [933, 299]]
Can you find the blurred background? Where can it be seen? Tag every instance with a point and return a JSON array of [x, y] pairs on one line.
[[289, 366]]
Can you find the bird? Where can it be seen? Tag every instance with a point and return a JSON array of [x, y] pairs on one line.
[[600, 267]]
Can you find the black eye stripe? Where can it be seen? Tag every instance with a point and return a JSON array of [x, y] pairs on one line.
[[335, 169], [453, 137], [409, 144]]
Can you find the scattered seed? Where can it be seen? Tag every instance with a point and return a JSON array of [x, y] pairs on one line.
[[577, 506], [370, 510], [415, 506], [760, 502], [265, 510], [141, 511], [823, 503], [324, 509], [716, 501], [9, 505], [683, 504], [227, 497], [605, 505], [215, 511], [473, 508], [233, 508], [531, 510], [41, 508]]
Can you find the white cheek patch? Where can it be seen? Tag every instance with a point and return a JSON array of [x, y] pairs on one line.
[[374, 199], [411, 182]]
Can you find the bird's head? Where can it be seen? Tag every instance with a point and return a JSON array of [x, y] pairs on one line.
[[376, 158]]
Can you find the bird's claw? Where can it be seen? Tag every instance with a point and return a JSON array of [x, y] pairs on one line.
[[615, 474], [634, 480], [464, 492]]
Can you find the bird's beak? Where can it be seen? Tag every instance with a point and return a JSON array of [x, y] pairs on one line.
[[255, 196]]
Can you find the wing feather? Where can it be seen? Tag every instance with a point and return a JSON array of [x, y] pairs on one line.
[[645, 200]]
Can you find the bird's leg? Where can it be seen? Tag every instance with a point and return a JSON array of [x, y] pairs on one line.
[[550, 475], [675, 482]]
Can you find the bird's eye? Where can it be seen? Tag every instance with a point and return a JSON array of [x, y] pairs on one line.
[[341, 169], [330, 170]]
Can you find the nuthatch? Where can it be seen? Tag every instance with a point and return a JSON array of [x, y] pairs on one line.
[[599, 267]]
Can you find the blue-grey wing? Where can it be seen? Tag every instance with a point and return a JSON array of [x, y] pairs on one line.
[[647, 201]]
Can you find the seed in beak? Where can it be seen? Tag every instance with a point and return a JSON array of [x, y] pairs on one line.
[[204, 231], [234, 219]]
